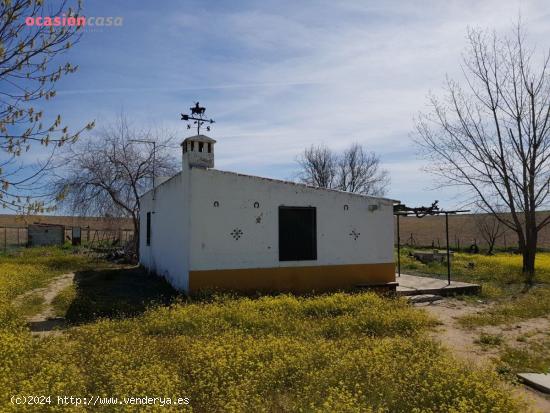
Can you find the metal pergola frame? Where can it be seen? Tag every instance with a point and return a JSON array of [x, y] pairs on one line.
[[400, 210]]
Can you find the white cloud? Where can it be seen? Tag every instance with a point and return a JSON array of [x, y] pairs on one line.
[[280, 76], [370, 72]]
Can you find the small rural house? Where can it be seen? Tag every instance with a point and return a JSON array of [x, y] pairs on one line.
[[40, 234], [205, 229]]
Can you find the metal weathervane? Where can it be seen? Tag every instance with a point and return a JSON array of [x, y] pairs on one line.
[[197, 117]]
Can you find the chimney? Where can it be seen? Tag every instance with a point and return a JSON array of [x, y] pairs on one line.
[[198, 152]]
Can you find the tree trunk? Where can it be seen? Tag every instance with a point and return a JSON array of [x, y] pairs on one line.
[[529, 253], [135, 221], [491, 247]]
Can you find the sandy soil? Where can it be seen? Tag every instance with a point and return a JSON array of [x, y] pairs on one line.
[[45, 322], [462, 341]]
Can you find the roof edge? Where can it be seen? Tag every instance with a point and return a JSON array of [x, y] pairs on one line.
[[304, 185], [283, 182]]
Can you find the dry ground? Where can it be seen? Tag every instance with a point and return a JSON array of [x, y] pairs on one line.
[[45, 322], [463, 342]]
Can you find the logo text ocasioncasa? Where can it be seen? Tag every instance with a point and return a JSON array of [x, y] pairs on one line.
[[74, 21]]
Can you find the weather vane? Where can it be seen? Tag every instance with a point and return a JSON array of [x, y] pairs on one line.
[[197, 113]]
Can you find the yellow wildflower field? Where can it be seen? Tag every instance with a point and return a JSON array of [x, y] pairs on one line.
[[336, 352]]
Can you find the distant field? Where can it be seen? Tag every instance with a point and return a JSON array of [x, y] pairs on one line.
[[414, 231], [463, 230], [7, 220], [13, 230]]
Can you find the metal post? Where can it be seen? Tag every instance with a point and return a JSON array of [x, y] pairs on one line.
[[398, 249], [448, 251]]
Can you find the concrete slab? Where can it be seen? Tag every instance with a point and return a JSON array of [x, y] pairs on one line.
[[415, 285], [424, 298], [538, 381]]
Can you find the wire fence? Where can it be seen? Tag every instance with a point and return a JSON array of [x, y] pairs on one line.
[[462, 243], [12, 237]]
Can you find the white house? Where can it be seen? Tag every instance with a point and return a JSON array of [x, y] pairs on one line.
[[205, 229]]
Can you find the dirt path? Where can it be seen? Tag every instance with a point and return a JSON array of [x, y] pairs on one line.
[[45, 322], [462, 341]]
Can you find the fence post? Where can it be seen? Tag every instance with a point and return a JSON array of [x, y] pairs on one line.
[[398, 248], [448, 249], [5, 239]]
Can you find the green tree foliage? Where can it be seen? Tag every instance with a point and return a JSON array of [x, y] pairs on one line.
[[29, 70]]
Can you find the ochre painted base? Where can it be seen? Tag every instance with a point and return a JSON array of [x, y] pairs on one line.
[[292, 279]]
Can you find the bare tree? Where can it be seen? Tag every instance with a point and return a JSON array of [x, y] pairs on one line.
[[359, 171], [490, 229], [105, 175], [28, 73], [492, 138], [355, 170], [318, 166]]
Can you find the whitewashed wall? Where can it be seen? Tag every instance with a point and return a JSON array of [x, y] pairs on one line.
[[188, 233], [168, 254], [212, 246]]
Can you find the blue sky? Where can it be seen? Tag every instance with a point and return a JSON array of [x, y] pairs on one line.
[[279, 76]]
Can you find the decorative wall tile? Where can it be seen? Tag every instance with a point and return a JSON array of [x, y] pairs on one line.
[[236, 233]]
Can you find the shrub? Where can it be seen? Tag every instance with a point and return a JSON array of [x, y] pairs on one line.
[[489, 339], [534, 303], [338, 352]]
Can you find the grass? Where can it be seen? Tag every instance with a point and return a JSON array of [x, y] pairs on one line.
[[489, 340], [501, 270], [502, 286], [532, 304], [113, 293], [63, 300], [533, 357], [26, 269], [340, 352], [31, 305], [501, 281], [337, 352]]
